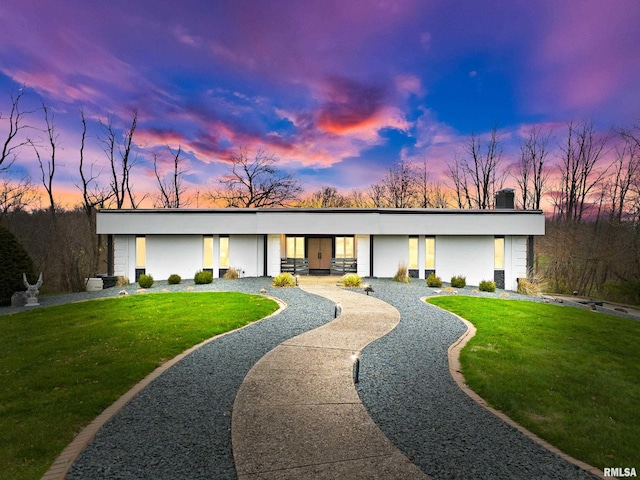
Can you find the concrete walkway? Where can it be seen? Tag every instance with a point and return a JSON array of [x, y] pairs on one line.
[[297, 414]]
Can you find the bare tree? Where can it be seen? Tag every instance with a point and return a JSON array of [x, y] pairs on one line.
[[121, 158], [326, 197], [47, 167], [15, 193], [255, 182], [15, 123], [531, 173], [428, 194], [580, 153], [479, 174], [397, 189], [172, 190], [92, 194], [624, 182], [358, 199], [460, 183]]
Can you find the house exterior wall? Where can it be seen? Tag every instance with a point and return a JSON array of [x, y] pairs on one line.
[[246, 253], [388, 252], [515, 261], [273, 254], [468, 256], [464, 239], [169, 254], [321, 222], [124, 260], [363, 249]]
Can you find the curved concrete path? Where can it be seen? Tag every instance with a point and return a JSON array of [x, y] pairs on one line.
[[297, 413]]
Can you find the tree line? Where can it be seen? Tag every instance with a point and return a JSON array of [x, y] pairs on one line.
[[587, 181]]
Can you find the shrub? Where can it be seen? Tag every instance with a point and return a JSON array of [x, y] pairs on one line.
[[232, 274], [351, 280], [202, 277], [487, 286], [14, 261], [284, 280], [174, 279], [145, 281], [122, 281], [402, 275], [458, 281], [434, 281]]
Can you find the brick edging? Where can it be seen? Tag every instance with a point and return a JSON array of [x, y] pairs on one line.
[[62, 464], [453, 354]]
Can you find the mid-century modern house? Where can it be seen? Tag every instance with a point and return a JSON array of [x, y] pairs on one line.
[[479, 244]]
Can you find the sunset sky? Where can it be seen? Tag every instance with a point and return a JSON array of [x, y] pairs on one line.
[[337, 90]]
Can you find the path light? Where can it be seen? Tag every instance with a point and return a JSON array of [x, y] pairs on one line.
[[355, 357], [297, 277]]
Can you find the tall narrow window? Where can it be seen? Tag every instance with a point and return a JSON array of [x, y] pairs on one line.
[[295, 247], [413, 252], [224, 252], [498, 253], [207, 252], [345, 247], [430, 250], [141, 252]]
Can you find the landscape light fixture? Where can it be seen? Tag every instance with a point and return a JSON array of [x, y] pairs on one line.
[[356, 367]]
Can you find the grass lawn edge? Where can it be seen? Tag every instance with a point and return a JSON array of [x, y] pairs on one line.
[[61, 465], [453, 354]]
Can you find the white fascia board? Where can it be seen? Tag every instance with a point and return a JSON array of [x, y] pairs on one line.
[[320, 222]]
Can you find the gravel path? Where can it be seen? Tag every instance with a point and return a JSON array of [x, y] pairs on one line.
[[180, 426], [406, 387]]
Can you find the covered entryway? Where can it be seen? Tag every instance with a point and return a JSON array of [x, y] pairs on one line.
[[319, 251]]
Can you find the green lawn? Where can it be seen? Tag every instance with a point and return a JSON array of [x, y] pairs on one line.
[[569, 375], [61, 366]]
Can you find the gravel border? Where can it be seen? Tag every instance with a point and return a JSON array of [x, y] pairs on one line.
[[179, 427], [406, 386]]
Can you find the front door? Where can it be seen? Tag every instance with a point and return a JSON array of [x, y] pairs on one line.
[[320, 253]]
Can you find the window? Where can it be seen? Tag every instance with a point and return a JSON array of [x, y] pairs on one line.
[[207, 257], [295, 247], [498, 253], [413, 253], [141, 252], [430, 249], [224, 252], [345, 247]]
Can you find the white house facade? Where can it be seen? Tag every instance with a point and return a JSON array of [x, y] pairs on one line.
[[479, 244]]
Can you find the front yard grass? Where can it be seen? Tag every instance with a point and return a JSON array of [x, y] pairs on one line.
[[571, 376], [62, 366]]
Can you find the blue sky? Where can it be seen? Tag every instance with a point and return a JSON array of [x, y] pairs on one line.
[[338, 91]]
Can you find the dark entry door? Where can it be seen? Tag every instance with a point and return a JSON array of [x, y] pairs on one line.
[[320, 252]]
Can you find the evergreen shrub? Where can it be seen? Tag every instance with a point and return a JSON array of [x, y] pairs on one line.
[[145, 281], [202, 277], [14, 261], [487, 286]]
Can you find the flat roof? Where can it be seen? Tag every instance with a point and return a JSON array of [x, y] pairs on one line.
[[315, 221]]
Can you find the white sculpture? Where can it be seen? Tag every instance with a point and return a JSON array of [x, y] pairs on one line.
[[32, 291]]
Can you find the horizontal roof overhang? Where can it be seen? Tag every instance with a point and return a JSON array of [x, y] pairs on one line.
[[378, 221]]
